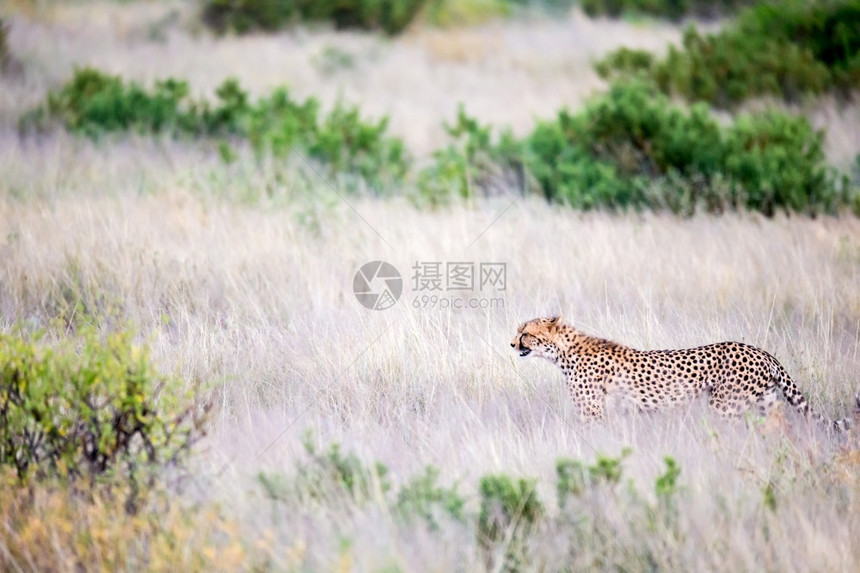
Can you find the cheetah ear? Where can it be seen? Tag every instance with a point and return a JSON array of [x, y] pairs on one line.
[[556, 320]]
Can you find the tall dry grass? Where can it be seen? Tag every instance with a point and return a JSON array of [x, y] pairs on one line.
[[241, 276]]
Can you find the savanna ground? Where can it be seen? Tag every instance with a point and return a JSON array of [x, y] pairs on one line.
[[240, 277]]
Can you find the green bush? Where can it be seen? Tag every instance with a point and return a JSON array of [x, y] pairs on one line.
[[628, 148], [473, 164], [625, 62], [777, 161], [607, 469], [574, 477], [5, 56], [510, 511], [477, 163], [571, 480], [390, 16], [672, 9], [247, 15], [423, 497], [349, 144], [787, 49], [666, 484], [828, 30], [631, 148], [450, 13], [89, 406], [93, 103], [729, 68], [568, 173], [331, 473]]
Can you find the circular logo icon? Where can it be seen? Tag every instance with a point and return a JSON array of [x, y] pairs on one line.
[[377, 285]]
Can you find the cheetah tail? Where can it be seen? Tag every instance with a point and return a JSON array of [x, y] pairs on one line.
[[847, 423], [794, 396]]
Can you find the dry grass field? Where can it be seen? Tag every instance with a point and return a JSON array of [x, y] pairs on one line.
[[240, 277]]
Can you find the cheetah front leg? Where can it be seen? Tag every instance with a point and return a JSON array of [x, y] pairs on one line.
[[589, 397]]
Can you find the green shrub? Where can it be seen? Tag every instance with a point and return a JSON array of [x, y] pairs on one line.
[[5, 56], [247, 15], [777, 161], [666, 484], [447, 176], [89, 406], [568, 173], [632, 148], [93, 103], [672, 9], [349, 144], [606, 155], [625, 62], [607, 469], [449, 13], [768, 495], [787, 49], [641, 133], [423, 497], [729, 68], [330, 474], [574, 477], [275, 486], [390, 16], [571, 480], [828, 30], [474, 164], [510, 511]]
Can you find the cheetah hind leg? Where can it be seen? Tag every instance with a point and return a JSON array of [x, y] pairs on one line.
[[774, 421], [767, 400], [727, 399], [773, 418], [728, 404]]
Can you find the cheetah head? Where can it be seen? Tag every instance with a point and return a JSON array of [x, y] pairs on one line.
[[538, 337]]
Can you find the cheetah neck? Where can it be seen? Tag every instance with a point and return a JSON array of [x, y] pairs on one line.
[[574, 344]]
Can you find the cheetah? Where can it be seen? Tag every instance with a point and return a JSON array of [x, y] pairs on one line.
[[736, 376]]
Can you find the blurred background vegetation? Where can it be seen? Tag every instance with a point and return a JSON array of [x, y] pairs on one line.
[[632, 147]]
